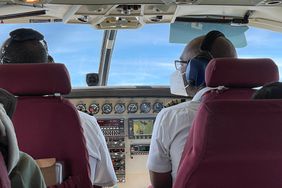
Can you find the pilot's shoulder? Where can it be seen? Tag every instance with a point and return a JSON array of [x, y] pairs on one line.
[[175, 108], [177, 104], [85, 118]]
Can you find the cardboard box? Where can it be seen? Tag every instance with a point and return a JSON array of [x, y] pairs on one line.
[[48, 169]]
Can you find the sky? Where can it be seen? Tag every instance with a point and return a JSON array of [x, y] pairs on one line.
[[141, 57]]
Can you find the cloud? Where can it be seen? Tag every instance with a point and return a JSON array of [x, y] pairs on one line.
[[147, 73]]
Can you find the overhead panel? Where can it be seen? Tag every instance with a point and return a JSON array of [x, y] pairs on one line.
[[119, 23], [153, 9], [106, 2], [93, 9], [120, 16]]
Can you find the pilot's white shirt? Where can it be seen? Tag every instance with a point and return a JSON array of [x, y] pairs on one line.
[[170, 132], [102, 171]]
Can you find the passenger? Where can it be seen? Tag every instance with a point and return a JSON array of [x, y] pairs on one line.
[[29, 46], [22, 169], [269, 91], [172, 124]]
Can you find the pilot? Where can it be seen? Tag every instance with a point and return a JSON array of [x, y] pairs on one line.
[[269, 91], [29, 46], [172, 124]]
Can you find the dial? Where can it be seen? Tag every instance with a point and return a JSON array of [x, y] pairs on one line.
[[157, 107], [94, 108], [81, 107], [107, 108], [119, 108], [132, 108], [145, 107]]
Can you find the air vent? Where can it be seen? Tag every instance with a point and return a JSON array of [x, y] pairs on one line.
[[128, 9], [273, 3], [156, 19], [119, 23]]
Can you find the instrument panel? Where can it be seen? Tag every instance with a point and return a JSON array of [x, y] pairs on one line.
[[120, 106], [126, 118]]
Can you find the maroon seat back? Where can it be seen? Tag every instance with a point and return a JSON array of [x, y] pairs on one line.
[[234, 144], [46, 124], [240, 76], [4, 179]]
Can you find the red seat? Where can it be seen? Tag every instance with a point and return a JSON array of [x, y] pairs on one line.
[[240, 76], [234, 144], [227, 145], [4, 179], [47, 126]]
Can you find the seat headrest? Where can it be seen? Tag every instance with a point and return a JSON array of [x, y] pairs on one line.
[[245, 73], [35, 79]]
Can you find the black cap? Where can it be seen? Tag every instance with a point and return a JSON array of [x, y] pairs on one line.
[[24, 34]]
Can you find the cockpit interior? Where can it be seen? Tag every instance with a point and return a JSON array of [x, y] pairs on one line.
[[120, 55]]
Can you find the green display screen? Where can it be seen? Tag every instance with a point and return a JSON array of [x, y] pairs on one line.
[[142, 126]]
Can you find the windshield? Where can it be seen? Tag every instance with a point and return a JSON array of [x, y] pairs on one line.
[[141, 56]]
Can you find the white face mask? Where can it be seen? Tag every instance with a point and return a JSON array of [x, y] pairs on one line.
[[177, 86]]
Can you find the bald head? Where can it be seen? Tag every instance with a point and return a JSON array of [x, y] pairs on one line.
[[221, 47], [216, 47]]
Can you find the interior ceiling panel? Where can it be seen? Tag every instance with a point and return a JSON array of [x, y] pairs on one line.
[[154, 9], [135, 13], [230, 2], [106, 2], [94, 9], [235, 11], [10, 9]]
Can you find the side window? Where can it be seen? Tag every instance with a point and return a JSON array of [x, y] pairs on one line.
[[263, 44], [77, 46]]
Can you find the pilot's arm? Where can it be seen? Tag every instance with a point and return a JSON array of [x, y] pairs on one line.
[[161, 180], [102, 171], [159, 162]]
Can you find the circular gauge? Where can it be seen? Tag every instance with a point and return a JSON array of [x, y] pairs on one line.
[[119, 108], [81, 107], [94, 108], [107, 108], [145, 107], [132, 108], [157, 107]]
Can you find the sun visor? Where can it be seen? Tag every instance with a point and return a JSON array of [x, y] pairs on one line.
[[184, 32]]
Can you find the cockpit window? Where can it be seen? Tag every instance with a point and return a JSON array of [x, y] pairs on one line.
[[143, 56], [263, 44]]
